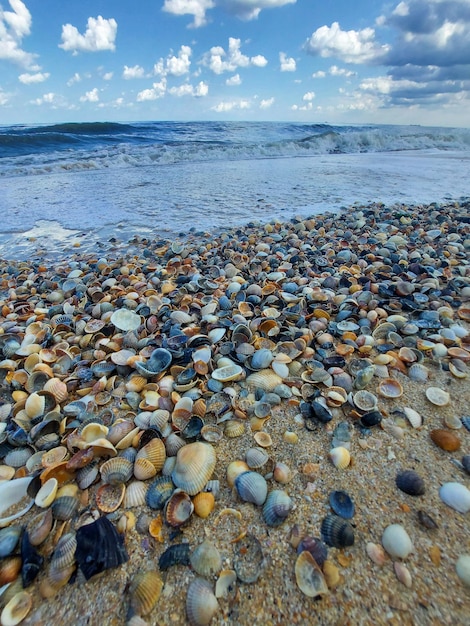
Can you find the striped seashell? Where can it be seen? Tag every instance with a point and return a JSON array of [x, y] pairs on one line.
[[116, 470], [204, 503], [144, 469], [252, 487], [266, 379], [256, 457], [340, 457], [337, 532], [277, 507], [58, 389], [145, 590], [201, 603], [136, 492], [234, 428], [206, 560], [195, 463], [155, 452]]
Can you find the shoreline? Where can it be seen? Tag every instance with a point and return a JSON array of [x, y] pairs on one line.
[[409, 262]]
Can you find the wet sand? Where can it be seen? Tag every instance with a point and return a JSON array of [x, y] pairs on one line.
[[366, 593]]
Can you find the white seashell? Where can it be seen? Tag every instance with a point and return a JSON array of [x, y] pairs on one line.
[[201, 603], [228, 372], [437, 396], [462, 567], [11, 493], [396, 541], [455, 495], [125, 319], [225, 583], [413, 417]]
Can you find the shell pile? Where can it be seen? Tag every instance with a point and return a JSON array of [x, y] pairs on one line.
[[122, 376]]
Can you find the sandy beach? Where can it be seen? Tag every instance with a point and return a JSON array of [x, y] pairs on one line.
[[343, 275]]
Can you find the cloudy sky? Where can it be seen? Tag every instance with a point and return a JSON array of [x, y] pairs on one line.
[[342, 61]]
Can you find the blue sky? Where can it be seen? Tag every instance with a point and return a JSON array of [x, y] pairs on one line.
[[300, 60]]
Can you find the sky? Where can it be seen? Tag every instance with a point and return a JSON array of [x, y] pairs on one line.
[[337, 61]]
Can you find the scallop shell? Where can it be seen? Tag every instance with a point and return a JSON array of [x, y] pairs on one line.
[[410, 482], [195, 463], [256, 457], [266, 379], [158, 492], [136, 492], [309, 577], [116, 470], [155, 452], [234, 469], [64, 507], [337, 532], [455, 495], [445, 439], [252, 487], [204, 503], [145, 590], [437, 396], [201, 603], [58, 389], [35, 405], [277, 507], [413, 417], [396, 541], [340, 457], [206, 560]]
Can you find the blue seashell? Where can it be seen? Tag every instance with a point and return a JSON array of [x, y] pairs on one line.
[[159, 361], [277, 507], [252, 487], [466, 422], [9, 538], [177, 554], [158, 492], [337, 532], [342, 504]]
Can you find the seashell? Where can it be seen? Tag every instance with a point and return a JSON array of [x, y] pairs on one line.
[[158, 492], [251, 487], [337, 532], [18, 457], [342, 504], [58, 389], [376, 553], [35, 405], [418, 372], [64, 507], [317, 548], [16, 609], [159, 361], [234, 469], [145, 590], [173, 443], [410, 482], [282, 473], [462, 568], [390, 388], [265, 379], [206, 560], [437, 396], [195, 463], [396, 541], [403, 574], [371, 418], [277, 507], [466, 463], [413, 417], [225, 586], [9, 538], [204, 503], [365, 400], [453, 422], [212, 433], [155, 452], [331, 574], [256, 457], [64, 553], [426, 520], [40, 526], [248, 560], [309, 577], [445, 439], [109, 497], [87, 475], [455, 495], [177, 554], [228, 373], [135, 494], [263, 439], [125, 319], [178, 508], [340, 457], [99, 547], [13, 493], [201, 603], [116, 471]]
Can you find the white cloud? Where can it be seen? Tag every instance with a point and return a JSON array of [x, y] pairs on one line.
[[305, 107], [200, 90], [100, 35], [233, 81], [39, 77], [174, 65], [319, 74], [158, 91], [76, 78], [108, 75], [340, 71], [4, 98], [309, 96], [266, 104], [250, 9], [47, 98], [196, 8], [287, 63], [219, 61], [136, 71], [224, 107], [352, 46], [14, 25], [91, 96]]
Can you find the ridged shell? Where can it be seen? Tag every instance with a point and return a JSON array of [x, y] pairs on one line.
[[342, 504], [176, 554], [116, 470], [136, 492], [317, 548], [252, 487], [9, 538], [155, 452], [158, 492], [204, 503], [445, 439], [277, 507], [145, 590], [396, 541], [35, 405], [125, 319], [340, 457], [309, 576], [201, 603], [178, 509], [206, 560], [234, 428], [410, 482], [282, 473], [455, 495], [256, 457], [337, 532], [58, 389], [64, 507], [413, 417], [195, 463], [265, 379], [110, 497], [144, 469]]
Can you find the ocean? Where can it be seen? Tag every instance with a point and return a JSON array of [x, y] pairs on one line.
[[81, 183]]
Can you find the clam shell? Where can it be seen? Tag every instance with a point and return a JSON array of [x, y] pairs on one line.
[[206, 560], [455, 495], [340, 457], [396, 541], [437, 396], [337, 532], [116, 470], [110, 497], [251, 487], [410, 482], [227, 373], [9, 538], [234, 469], [234, 428], [145, 590], [47, 493], [462, 568], [342, 504], [317, 548], [40, 526], [282, 473], [136, 492], [176, 554], [365, 400], [12, 493], [263, 439], [256, 457], [403, 574], [35, 405], [445, 439], [195, 463], [179, 508], [64, 507], [125, 319], [16, 609], [413, 417], [155, 452], [390, 388], [158, 492], [376, 553], [201, 603], [309, 576], [277, 507], [204, 503], [266, 379]]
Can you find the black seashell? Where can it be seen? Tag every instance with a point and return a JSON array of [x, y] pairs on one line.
[[322, 413], [99, 547], [192, 430], [177, 554], [371, 418], [316, 547], [410, 482], [158, 492], [342, 504], [466, 463], [426, 520], [337, 532], [31, 561]]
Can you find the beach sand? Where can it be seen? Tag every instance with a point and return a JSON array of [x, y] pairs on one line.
[[366, 593]]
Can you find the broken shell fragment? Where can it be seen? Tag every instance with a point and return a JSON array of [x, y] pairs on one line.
[[309, 577]]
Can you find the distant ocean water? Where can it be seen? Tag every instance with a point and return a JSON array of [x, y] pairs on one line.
[[98, 180]]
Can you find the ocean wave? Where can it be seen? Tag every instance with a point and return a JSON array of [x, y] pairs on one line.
[[83, 146]]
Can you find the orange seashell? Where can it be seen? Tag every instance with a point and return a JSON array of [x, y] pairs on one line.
[[204, 503], [156, 528], [445, 439], [10, 569], [60, 471]]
